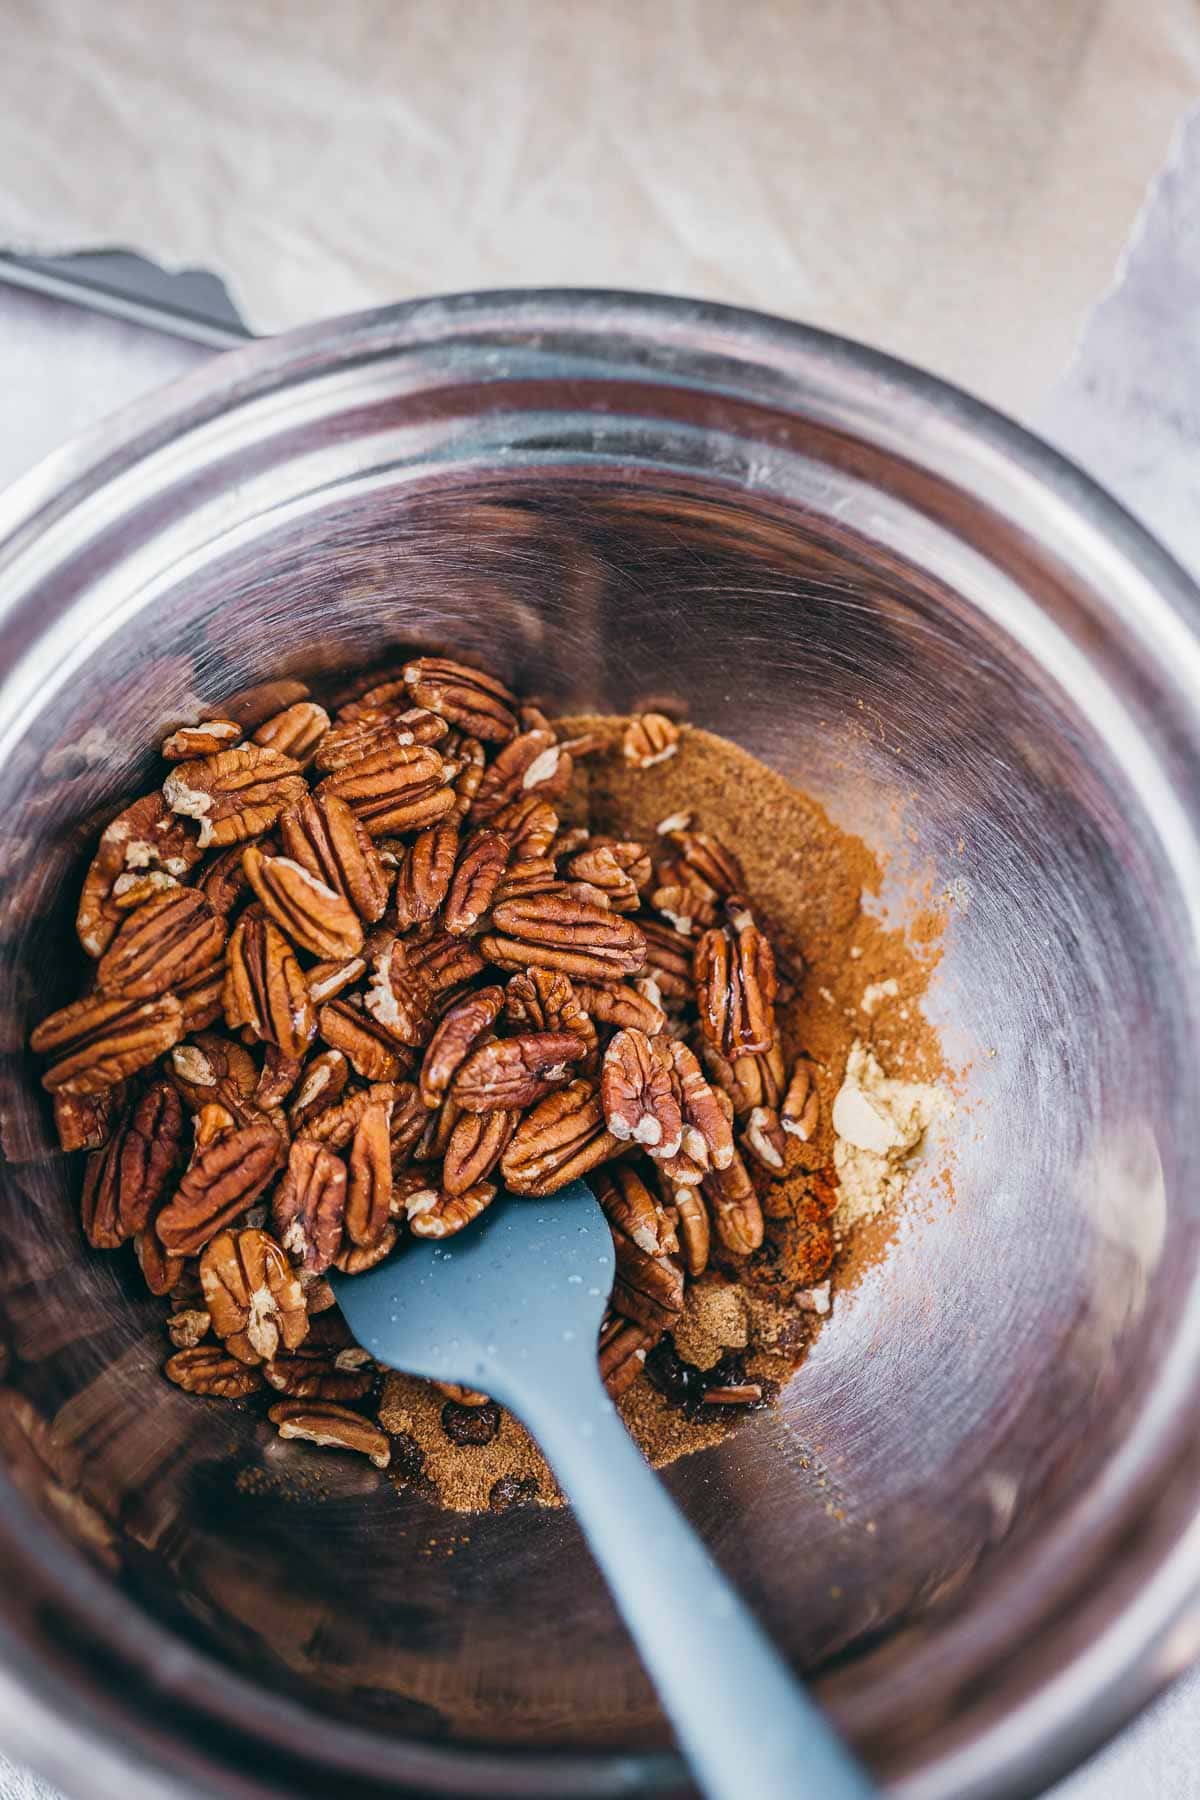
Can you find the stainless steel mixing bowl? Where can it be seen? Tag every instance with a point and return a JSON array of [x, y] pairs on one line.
[[975, 1518]]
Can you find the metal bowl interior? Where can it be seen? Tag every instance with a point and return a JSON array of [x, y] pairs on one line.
[[972, 1517]]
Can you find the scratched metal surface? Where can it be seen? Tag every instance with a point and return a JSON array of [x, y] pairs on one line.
[[114, 363]]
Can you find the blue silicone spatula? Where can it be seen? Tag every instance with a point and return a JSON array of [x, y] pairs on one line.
[[513, 1307]]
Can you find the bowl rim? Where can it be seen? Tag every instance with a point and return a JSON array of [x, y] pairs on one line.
[[682, 341]]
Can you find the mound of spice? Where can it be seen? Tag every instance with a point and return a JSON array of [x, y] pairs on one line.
[[409, 942]]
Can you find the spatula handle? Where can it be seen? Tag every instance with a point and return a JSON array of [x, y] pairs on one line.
[[744, 1723]]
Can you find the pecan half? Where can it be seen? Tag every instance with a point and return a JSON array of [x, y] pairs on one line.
[[322, 1083], [534, 762], [371, 1052], [308, 1209], [189, 1327], [223, 880], [208, 1369], [521, 881], [621, 1006], [255, 1301], [650, 738], [623, 1348], [132, 890], [530, 824], [402, 788], [85, 1121], [277, 1078], [99, 1041], [446, 962], [208, 739], [471, 760], [336, 1125], [212, 1122], [391, 697], [356, 1259], [171, 939], [458, 1031], [433, 1213], [735, 987], [638, 1094], [425, 873], [313, 915], [546, 1000], [202, 997], [322, 834], [563, 1137], [369, 1196], [234, 795], [294, 732], [315, 1375], [685, 907], [633, 1209], [601, 867], [629, 855], [556, 931], [709, 862], [332, 1427], [328, 979], [213, 1067], [465, 697], [435, 1139], [477, 1143], [647, 1288], [707, 1134], [349, 689], [518, 1071], [570, 840], [766, 1140], [400, 999], [683, 1170], [695, 1229], [145, 838], [222, 1181], [734, 1207], [365, 727], [125, 1182], [410, 1116], [160, 1269], [801, 1104], [264, 986], [477, 875], [387, 691], [372, 728], [749, 1081], [669, 958]]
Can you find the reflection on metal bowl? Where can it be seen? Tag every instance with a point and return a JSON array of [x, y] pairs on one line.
[[972, 656]]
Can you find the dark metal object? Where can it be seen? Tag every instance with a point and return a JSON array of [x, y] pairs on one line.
[[191, 304], [934, 623]]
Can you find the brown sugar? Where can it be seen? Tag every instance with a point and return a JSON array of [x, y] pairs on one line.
[[463, 1475], [808, 880]]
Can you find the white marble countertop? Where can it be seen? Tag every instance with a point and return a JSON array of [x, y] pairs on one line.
[[1128, 408]]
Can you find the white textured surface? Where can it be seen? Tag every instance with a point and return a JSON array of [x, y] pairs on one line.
[[1128, 408], [949, 179]]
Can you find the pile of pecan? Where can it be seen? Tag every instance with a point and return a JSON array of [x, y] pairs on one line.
[[351, 972]]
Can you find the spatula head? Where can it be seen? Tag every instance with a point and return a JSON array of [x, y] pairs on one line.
[[528, 1283]]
